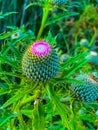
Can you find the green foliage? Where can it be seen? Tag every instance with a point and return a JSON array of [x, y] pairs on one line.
[[28, 105], [6, 14]]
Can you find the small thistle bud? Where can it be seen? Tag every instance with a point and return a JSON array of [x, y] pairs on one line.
[[16, 35], [92, 57], [96, 112], [84, 42], [40, 62], [58, 2], [64, 57], [88, 91], [82, 111]]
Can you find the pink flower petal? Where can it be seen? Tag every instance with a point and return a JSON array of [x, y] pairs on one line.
[[41, 48]]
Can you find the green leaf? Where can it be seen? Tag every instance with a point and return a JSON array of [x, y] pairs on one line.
[[38, 116], [87, 118], [3, 93], [61, 16], [20, 94], [51, 39], [62, 109], [6, 14], [10, 74], [73, 60], [32, 4], [76, 67], [7, 60], [6, 35], [7, 119], [27, 113]]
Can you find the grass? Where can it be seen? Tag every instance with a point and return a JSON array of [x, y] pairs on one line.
[[29, 105]]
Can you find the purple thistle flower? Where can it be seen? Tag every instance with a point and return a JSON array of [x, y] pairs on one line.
[[40, 62], [41, 48]]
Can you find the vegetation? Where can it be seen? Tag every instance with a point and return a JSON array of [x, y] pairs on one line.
[[57, 103]]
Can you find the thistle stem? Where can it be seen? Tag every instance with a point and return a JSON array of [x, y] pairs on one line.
[[24, 11], [57, 104], [22, 123], [45, 15], [93, 38]]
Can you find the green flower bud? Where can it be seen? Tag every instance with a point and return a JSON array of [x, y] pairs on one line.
[[40, 62], [88, 91]]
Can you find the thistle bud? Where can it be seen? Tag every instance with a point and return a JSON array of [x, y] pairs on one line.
[[88, 91], [40, 62]]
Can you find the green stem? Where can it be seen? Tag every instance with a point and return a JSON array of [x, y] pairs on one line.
[[14, 109], [72, 121], [93, 39], [21, 121], [17, 106], [59, 106], [28, 100], [12, 127], [45, 15], [38, 122]]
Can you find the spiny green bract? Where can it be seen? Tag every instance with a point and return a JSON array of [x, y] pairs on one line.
[[56, 2], [88, 91], [40, 68]]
